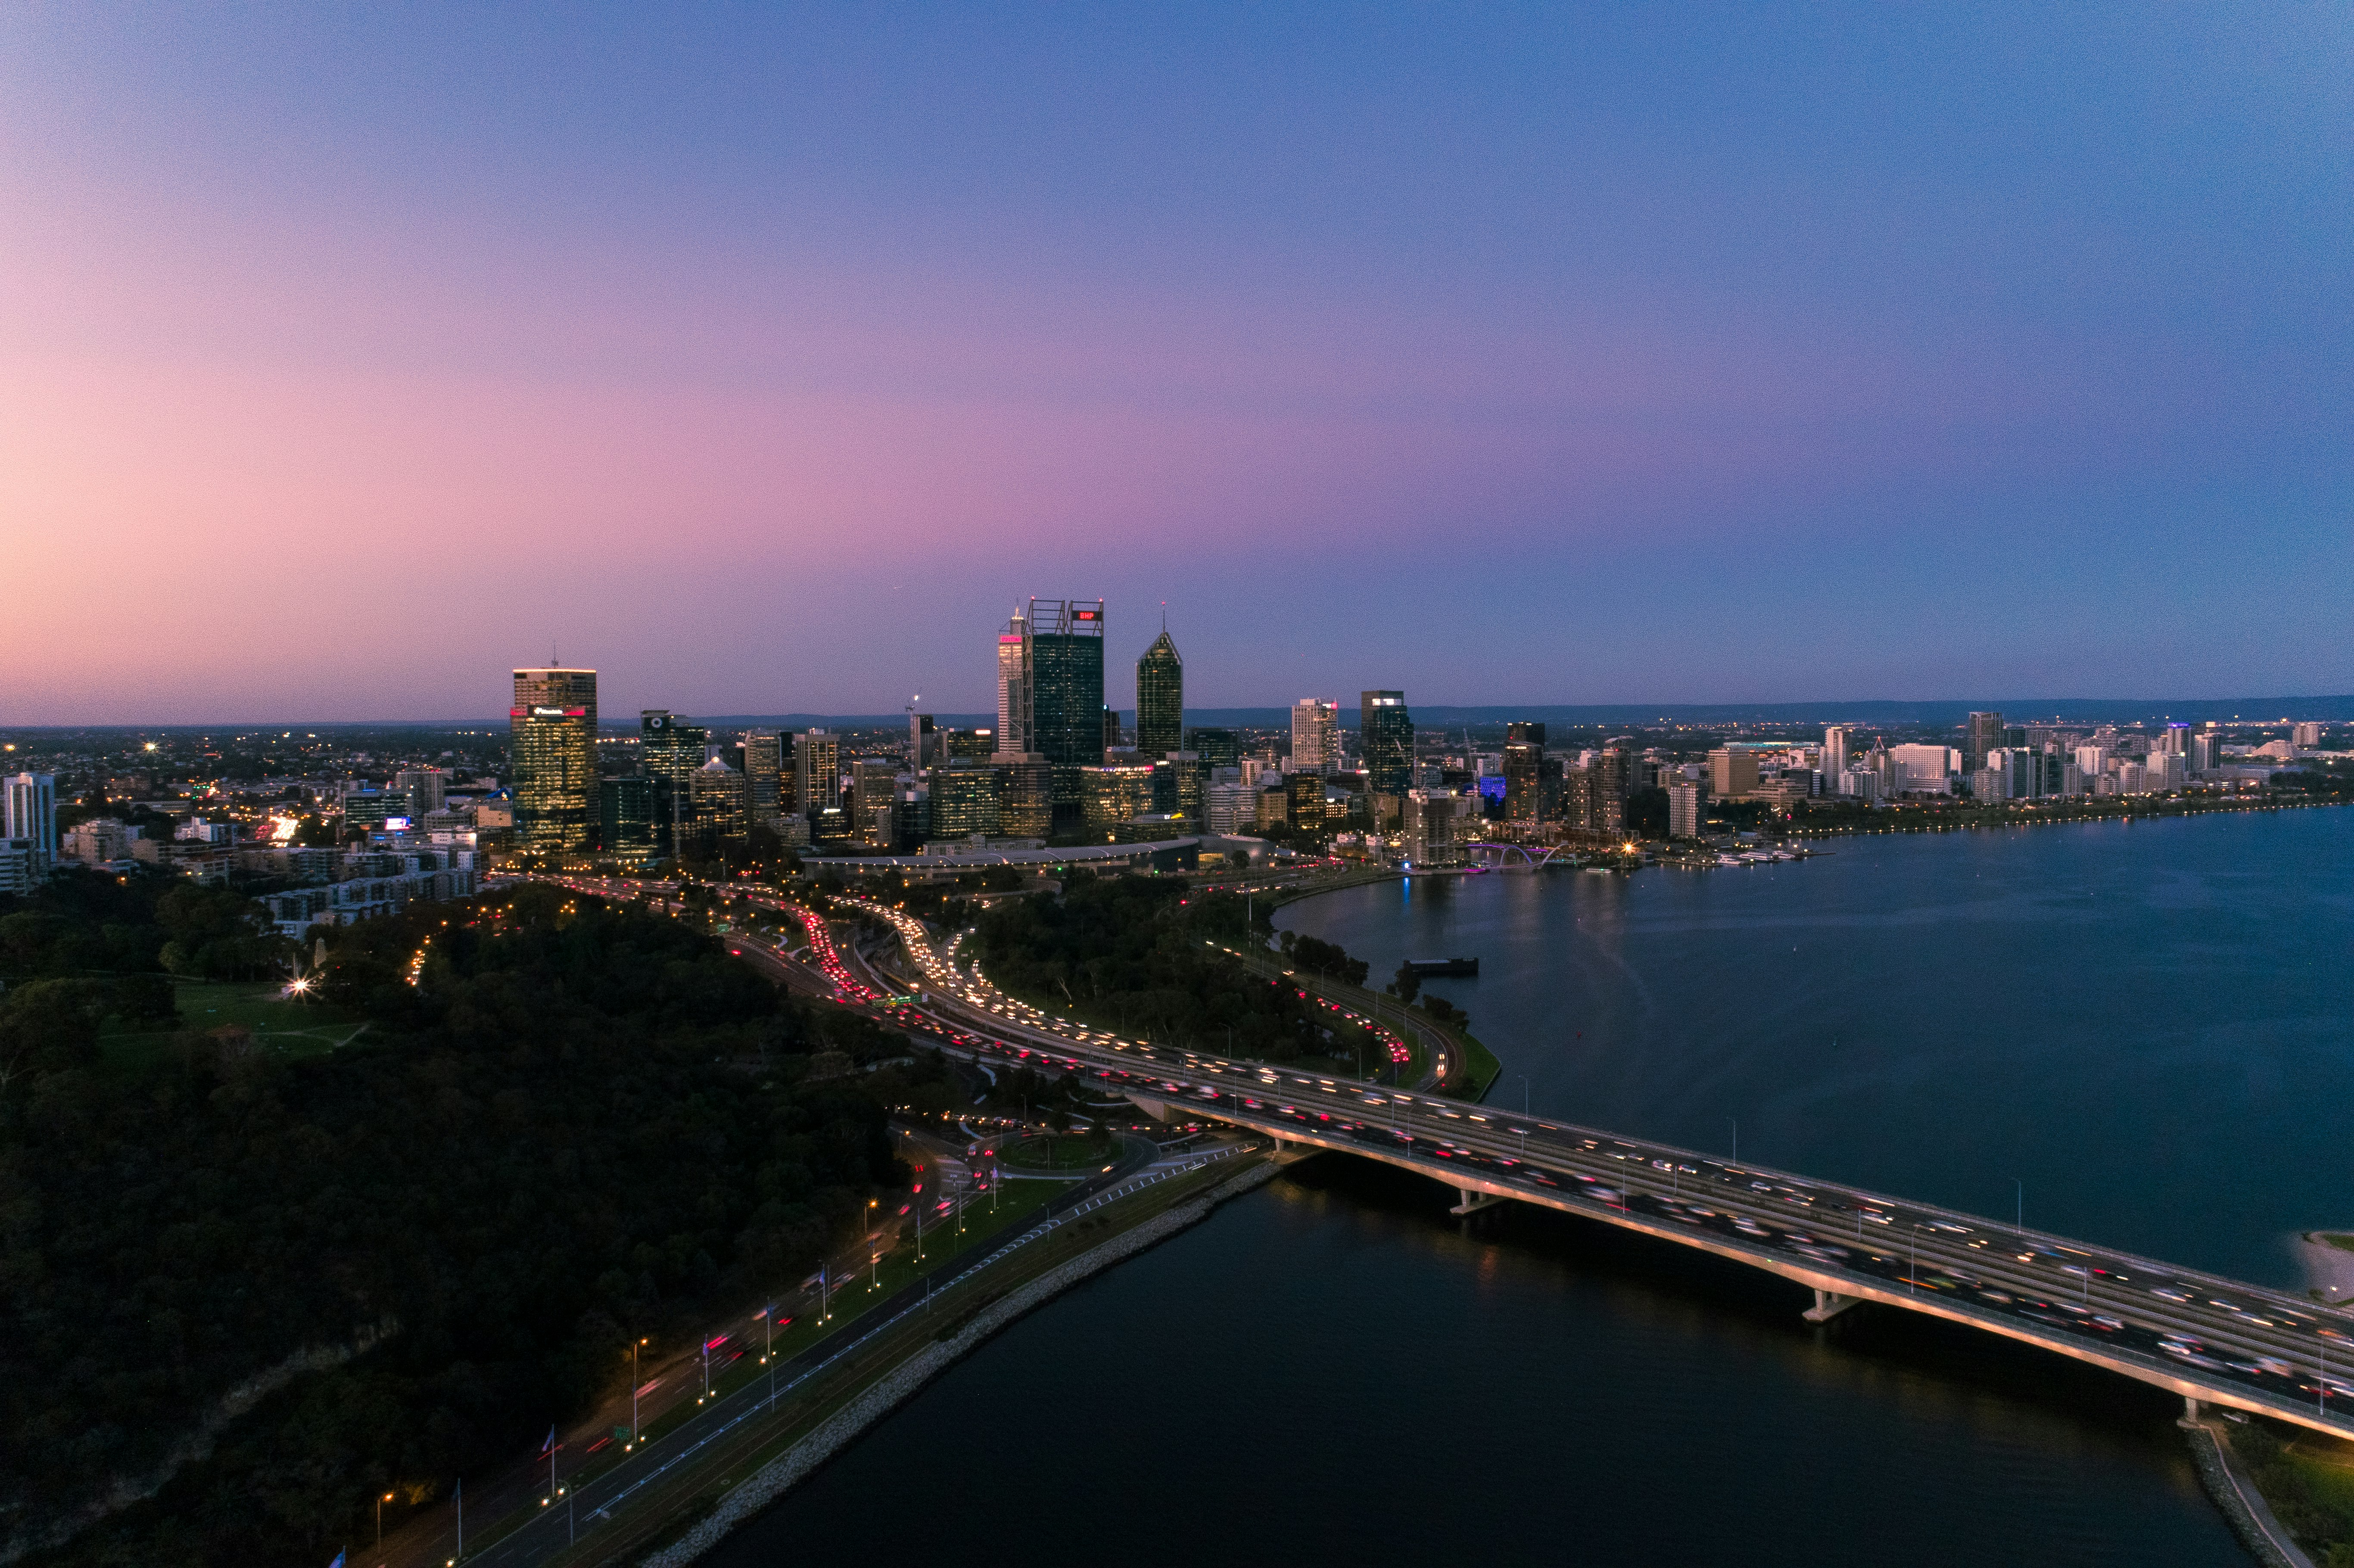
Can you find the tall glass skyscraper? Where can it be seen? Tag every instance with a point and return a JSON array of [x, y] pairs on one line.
[[670, 749], [1385, 733], [1066, 693], [1160, 699], [1524, 745], [551, 741]]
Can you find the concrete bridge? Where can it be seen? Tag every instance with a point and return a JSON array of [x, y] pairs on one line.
[[2210, 1340]]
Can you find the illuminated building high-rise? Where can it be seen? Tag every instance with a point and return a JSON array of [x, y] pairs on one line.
[[1066, 694], [670, 749], [1013, 687], [1385, 734], [29, 814], [1983, 734], [764, 767], [1217, 748], [1315, 735], [817, 772], [1160, 699], [552, 739], [1523, 764]]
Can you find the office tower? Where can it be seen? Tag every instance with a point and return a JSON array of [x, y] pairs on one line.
[[1982, 734], [1315, 735], [924, 740], [426, 787], [817, 771], [1217, 748], [1014, 687], [552, 744], [2206, 751], [2306, 736], [1025, 796], [1523, 769], [1732, 773], [1229, 807], [764, 783], [2176, 738], [964, 800], [1066, 694], [1115, 739], [1304, 802], [670, 749], [29, 811], [1111, 795], [1685, 801], [1385, 735], [714, 806], [970, 745], [625, 815], [1835, 751], [1922, 770], [873, 788], [1160, 699]]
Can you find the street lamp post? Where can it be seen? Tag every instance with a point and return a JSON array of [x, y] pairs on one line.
[[633, 1392], [379, 1519], [2018, 1227], [1737, 1138]]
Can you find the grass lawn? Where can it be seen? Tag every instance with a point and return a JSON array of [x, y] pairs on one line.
[[290, 1028], [1058, 1153]]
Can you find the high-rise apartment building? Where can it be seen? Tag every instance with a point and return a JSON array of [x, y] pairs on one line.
[[29, 811], [2306, 737], [1524, 742], [1686, 803], [1315, 735], [1982, 734], [924, 740], [1160, 699], [2176, 738], [2206, 751], [1611, 784], [427, 788], [1385, 735], [817, 772], [552, 744]]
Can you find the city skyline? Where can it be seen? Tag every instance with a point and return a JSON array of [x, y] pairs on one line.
[[1739, 362]]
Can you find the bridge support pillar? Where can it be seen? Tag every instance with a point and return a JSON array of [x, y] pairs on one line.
[[1474, 1201], [1157, 1109], [2190, 1413], [1830, 1304]]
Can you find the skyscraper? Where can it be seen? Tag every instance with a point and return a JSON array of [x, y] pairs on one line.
[[1983, 734], [1217, 748], [1066, 694], [764, 767], [1015, 687], [817, 772], [552, 739], [1834, 753], [1524, 758], [1385, 733], [29, 811], [669, 750], [626, 818], [1315, 735], [1160, 699]]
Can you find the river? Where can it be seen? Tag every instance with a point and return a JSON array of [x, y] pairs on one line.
[[2150, 1025]]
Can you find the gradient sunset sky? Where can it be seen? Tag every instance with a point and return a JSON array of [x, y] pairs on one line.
[[763, 357]]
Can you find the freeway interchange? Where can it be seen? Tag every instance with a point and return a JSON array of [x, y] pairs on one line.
[[2206, 1338]]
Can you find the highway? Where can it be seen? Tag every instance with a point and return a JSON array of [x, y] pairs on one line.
[[2206, 1338]]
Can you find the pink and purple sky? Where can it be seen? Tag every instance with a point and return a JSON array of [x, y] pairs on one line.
[[762, 358]]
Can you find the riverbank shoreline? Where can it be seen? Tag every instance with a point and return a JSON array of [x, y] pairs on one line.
[[901, 1385], [2329, 1268]]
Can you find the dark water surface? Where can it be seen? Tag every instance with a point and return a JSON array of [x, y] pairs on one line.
[[2149, 1023]]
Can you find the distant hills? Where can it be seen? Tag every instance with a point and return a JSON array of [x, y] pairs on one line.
[[1888, 711]]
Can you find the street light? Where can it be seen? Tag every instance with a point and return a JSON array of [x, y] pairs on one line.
[[633, 1392], [379, 1519]]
